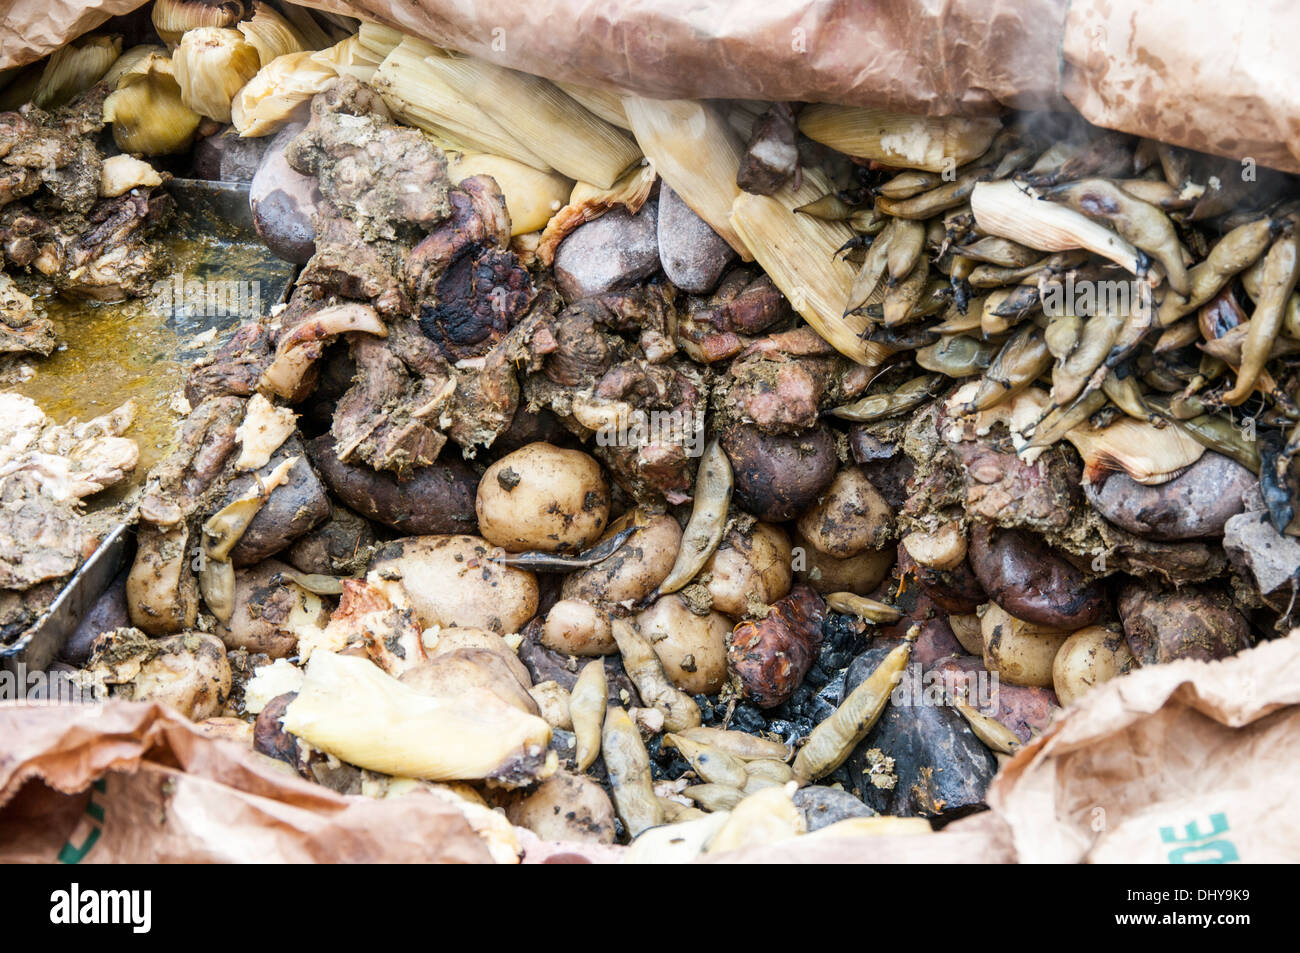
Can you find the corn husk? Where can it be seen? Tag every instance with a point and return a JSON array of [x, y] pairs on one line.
[[535, 111], [75, 68], [271, 35], [146, 110], [212, 64], [418, 96], [898, 139], [798, 254], [696, 153], [171, 18], [605, 103], [351, 709], [1150, 455], [350, 58], [532, 196], [587, 202], [313, 32], [270, 99], [129, 60], [1008, 210], [379, 39]]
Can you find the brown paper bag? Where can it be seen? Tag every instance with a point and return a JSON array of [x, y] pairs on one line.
[[1191, 72]]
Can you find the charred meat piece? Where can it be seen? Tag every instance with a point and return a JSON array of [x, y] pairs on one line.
[[720, 326], [37, 150], [234, 368], [475, 302], [22, 330], [771, 158], [350, 267]]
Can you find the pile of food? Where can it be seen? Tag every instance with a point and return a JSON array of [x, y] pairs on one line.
[[687, 474]]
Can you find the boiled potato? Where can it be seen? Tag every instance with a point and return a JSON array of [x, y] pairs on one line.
[[574, 627], [750, 570], [439, 641], [637, 568], [553, 704], [268, 617], [691, 648], [451, 581], [460, 672], [1020, 652], [188, 672], [859, 574], [966, 628], [1088, 658], [851, 517], [543, 498], [566, 807]]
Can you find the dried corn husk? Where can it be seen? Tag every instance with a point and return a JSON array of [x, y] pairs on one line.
[[349, 58], [146, 110], [75, 68], [535, 111], [1012, 211], [418, 96], [379, 39], [798, 254], [270, 99], [587, 202], [898, 139], [212, 64], [1150, 455], [532, 196], [605, 103], [696, 154], [171, 18], [129, 60], [271, 34]]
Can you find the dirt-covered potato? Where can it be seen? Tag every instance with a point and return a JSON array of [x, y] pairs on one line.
[[638, 566], [451, 581], [268, 616], [1020, 652], [575, 627], [1165, 625], [1087, 658], [692, 648], [942, 548], [291, 510], [750, 570], [850, 518], [859, 574], [435, 499], [340, 546], [779, 476], [954, 590], [1026, 709], [188, 672], [162, 594], [543, 498], [461, 637], [566, 807], [283, 201], [553, 704]]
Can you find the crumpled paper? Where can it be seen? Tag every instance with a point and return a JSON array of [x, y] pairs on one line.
[[1188, 762], [1190, 72]]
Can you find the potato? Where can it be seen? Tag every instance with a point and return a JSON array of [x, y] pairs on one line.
[[268, 617], [340, 546], [106, 614], [1021, 573], [162, 594], [543, 498], [188, 672], [1165, 625], [750, 570], [291, 510], [1020, 652], [1025, 709], [566, 807], [636, 569], [451, 581], [941, 548], [283, 201], [1087, 658], [1194, 504], [436, 499], [692, 648], [772, 655], [461, 637], [850, 518], [462, 672], [966, 630], [574, 627], [553, 703], [778, 476], [859, 574]]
